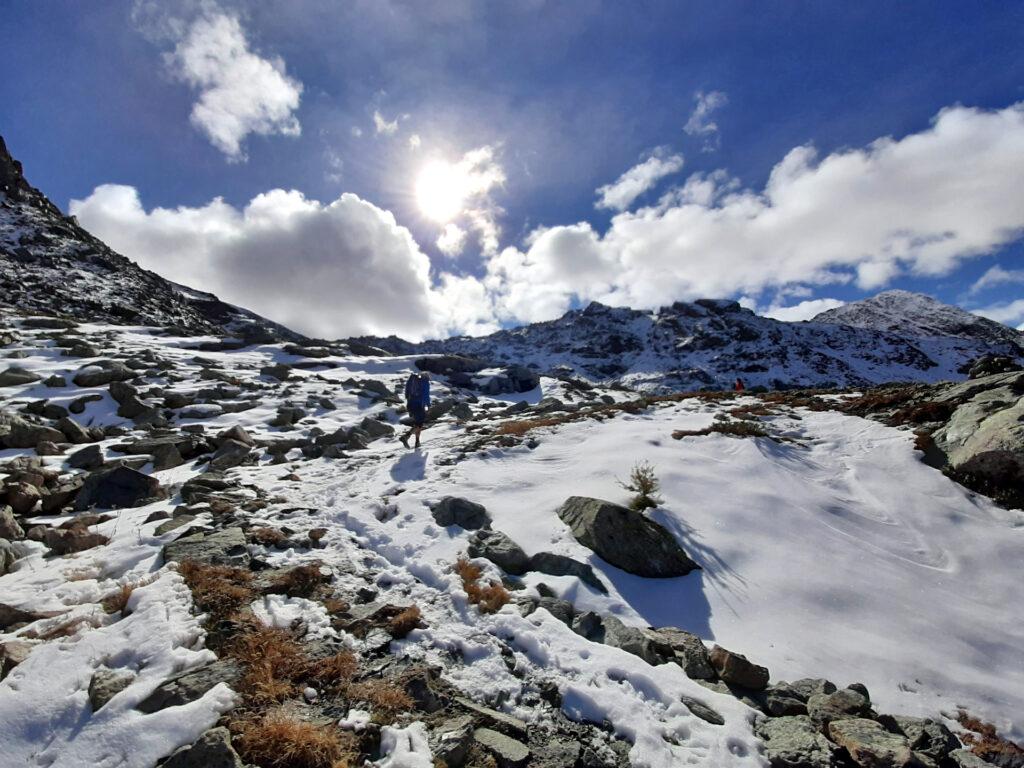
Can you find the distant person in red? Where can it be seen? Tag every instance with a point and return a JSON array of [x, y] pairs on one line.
[[738, 386]]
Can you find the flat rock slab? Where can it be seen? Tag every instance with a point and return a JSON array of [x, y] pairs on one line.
[[226, 547], [508, 752], [870, 745], [794, 742], [189, 686], [494, 716], [212, 750], [624, 538]]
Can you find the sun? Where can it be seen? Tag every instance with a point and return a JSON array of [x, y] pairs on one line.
[[441, 190]]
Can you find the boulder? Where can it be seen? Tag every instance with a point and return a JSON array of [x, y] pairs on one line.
[[823, 708], [561, 565], [287, 415], [224, 547], [90, 457], [376, 428], [925, 736], [67, 541], [280, 371], [794, 742], [500, 550], [443, 365], [560, 609], [73, 431], [101, 373], [106, 684], [624, 538], [118, 488], [964, 758], [451, 740], [8, 556], [167, 456], [452, 510], [24, 434], [236, 433], [633, 640], [13, 653], [211, 750], [702, 710], [11, 615], [231, 453], [189, 686], [735, 669], [22, 497], [870, 745], [986, 365], [16, 376], [46, 448], [690, 652], [9, 527]]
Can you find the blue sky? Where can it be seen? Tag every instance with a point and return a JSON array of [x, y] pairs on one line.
[[530, 108]]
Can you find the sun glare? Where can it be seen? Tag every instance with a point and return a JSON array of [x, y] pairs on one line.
[[441, 190]]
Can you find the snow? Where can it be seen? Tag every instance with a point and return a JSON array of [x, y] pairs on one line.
[[835, 553]]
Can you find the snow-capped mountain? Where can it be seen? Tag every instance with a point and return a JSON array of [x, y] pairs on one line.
[[915, 314], [711, 342], [51, 265]]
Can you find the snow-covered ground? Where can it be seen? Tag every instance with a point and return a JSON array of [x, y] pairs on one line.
[[834, 553]]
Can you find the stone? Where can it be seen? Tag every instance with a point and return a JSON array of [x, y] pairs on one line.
[[452, 510], [507, 752], [823, 708], [451, 740], [690, 653], [925, 736], [16, 376], [13, 653], [11, 615], [590, 625], [173, 524], [633, 640], [189, 686], [420, 684], [203, 487], [560, 609], [232, 453], [870, 745], [794, 742], [106, 684], [702, 710], [624, 538], [22, 498], [280, 371], [561, 565], [55, 381], [46, 448], [964, 758], [8, 556], [102, 373], [90, 457], [118, 488], [735, 669], [55, 499], [500, 550], [493, 716], [806, 687], [211, 750], [79, 403], [224, 547], [71, 540], [9, 527], [376, 428], [73, 431], [236, 433], [24, 434], [166, 456], [287, 415]]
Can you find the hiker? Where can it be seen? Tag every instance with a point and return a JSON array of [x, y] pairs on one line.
[[417, 400], [738, 386]]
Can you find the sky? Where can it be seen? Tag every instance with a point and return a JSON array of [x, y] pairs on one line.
[[434, 168]]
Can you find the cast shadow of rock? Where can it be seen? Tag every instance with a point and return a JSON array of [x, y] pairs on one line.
[[411, 466]]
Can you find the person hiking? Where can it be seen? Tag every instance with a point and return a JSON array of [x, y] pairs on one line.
[[417, 400], [738, 386]]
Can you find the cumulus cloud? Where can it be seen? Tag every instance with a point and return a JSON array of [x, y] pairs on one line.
[[336, 269], [804, 310], [921, 204], [452, 240], [240, 91], [620, 194], [1009, 313], [381, 125], [997, 276], [701, 124]]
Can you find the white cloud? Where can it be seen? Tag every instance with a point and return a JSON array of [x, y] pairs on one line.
[[620, 194], [334, 166], [921, 205], [356, 131], [335, 269], [383, 126], [997, 276], [415, 141], [452, 240], [804, 310], [479, 174], [701, 123], [1010, 313], [240, 91]]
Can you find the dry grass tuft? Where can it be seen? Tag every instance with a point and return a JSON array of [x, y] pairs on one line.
[[335, 605], [385, 699], [268, 537], [520, 427], [272, 659], [983, 740], [117, 601], [300, 581], [731, 428], [405, 622], [280, 740], [217, 589], [489, 598], [333, 673]]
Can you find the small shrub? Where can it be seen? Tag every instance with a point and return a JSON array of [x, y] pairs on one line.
[[385, 699], [983, 740], [272, 659], [333, 673], [116, 601], [489, 598], [405, 622], [217, 589], [300, 581], [280, 740], [268, 537], [731, 428], [644, 484]]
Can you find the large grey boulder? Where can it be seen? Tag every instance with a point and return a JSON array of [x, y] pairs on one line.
[[794, 742], [211, 750], [624, 538], [870, 745], [224, 547], [189, 686], [24, 434], [232, 453], [560, 565], [376, 428], [500, 550], [118, 488], [824, 708], [926, 737], [90, 457], [689, 651], [106, 684], [102, 373], [736, 669], [453, 510], [16, 376]]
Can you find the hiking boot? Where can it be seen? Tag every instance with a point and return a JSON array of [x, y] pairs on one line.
[[405, 440]]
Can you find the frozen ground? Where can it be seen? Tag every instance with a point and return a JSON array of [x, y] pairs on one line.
[[835, 553]]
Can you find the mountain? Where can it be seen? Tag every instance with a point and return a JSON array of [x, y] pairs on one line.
[[708, 343], [915, 314], [51, 265]]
